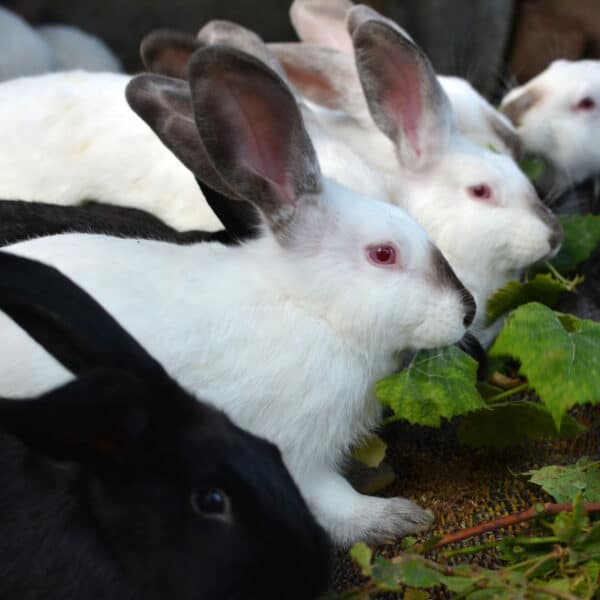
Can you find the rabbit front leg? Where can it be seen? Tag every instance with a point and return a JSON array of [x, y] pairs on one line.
[[350, 517]]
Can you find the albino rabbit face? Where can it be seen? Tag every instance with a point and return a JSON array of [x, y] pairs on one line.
[[557, 115], [482, 211], [404, 293]]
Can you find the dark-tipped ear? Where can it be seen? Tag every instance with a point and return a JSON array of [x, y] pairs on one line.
[[253, 132], [516, 108], [404, 96], [232, 35], [96, 419], [324, 76], [66, 321], [167, 52], [322, 22], [507, 133], [166, 106]]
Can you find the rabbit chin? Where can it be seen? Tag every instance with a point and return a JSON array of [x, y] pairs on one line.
[[440, 327]]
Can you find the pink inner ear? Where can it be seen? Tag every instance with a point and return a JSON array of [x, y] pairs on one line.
[[260, 129], [316, 26], [402, 95]]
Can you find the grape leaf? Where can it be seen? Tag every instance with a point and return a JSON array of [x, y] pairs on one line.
[[582, 235], [563, 483], [544, 288], [510, 423], [362, 554], [558, 355], [437, 384], [371, 452]]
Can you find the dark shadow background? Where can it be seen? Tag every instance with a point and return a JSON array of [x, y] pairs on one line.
[[490, 42]]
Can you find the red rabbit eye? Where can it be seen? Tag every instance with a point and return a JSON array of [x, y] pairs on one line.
[[481, 191], [382, 255], [586, 103]]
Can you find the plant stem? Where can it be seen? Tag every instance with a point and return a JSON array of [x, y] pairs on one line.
[[470, 549], [555, 554], [514, 519], [508, 393], [555, 593]]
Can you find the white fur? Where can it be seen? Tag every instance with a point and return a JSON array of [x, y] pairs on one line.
[[22, 50], [474, 115], [487, 245], [76, 49], [289, 341], [70, 137], [566, 138]]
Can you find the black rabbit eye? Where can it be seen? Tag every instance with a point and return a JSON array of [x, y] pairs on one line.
[[212, 503]]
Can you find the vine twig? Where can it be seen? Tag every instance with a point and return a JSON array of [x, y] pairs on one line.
[[527, 515]]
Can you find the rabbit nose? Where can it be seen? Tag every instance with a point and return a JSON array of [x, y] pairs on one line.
[[470, 307], [556, 237], [444, 275]]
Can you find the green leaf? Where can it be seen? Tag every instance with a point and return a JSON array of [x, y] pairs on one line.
[[510, 423], [582, 235], [558, 355], [415, 573], [569, 527], [533, 167], [362, 554], [371, 452], [386, 575], [563, 483], [437, 384], [544, 288]]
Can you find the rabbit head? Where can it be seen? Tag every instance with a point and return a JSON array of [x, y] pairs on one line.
[[187, 503], [557, 116], [263, 151], [476, 204]]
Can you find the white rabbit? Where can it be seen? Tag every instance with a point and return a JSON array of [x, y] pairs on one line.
[[289, 332], [75, 49], [476, 204], [69, 137], [322, 23], [22, 50], [557, 115]]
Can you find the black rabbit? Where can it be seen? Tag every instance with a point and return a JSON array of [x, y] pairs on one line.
[[121, 485]]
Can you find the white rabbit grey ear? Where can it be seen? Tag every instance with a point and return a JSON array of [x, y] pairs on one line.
[[322, 22], [404, 96], [507, 133], [253, 132], [166, 105], [167, 52], [516, 107], [324, 76], [227, 33]]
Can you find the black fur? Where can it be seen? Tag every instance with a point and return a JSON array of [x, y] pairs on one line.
[[21, 221], [96, 476]]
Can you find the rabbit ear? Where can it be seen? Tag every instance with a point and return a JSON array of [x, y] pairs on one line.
[[253, 132], [324, 76], [404, 96], [66, 321], [165, 104], [227, 33], [167, 52], [506, 133], [95, 419], [322, 22]]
